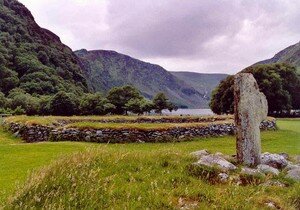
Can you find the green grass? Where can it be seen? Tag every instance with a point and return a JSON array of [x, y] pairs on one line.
[[139, 126], [49, 120], [135, 175]]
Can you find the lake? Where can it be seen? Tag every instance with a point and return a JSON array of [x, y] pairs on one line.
[[189, 112]]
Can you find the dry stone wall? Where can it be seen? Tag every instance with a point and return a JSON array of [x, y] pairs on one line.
[[39, 133]]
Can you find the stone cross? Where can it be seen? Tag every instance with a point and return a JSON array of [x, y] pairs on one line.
[[250, 108]]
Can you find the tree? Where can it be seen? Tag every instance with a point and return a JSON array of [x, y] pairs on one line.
[[3, 100], [93, 104], [17, 99], [8, 80], [43, 57], [62, 105], [45, 105], [222, 97], [120, 96], [160, 102], [147, 106], [172, 107], [138, 105], [279, 82]]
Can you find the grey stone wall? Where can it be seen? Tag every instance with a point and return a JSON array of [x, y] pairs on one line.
[[39, 133]]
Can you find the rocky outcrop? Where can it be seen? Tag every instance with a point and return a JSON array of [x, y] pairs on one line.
[[215, 160], [227, 169], [36, 133], [251, 108]]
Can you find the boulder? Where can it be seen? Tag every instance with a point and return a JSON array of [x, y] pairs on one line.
[[200, 153], [274, 160], [250, 108], [266, 169], [217, 161], [294, 174]]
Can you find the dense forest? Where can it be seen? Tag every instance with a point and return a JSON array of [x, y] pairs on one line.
[[33, 59]]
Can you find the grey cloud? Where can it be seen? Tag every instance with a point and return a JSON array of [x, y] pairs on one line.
[[194, 35]]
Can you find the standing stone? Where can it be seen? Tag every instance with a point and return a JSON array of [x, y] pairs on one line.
[[250, 108]]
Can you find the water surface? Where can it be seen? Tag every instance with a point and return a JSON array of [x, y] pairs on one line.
[[192, 112]]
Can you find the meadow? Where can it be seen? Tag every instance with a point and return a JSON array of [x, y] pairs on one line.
[[133, 175]]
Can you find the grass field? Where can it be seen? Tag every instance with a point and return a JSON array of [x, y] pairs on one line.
[[159, 167], [49, 120], [140, 126]]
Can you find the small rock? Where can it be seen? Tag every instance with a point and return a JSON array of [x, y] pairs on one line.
[[140, 141], [266, 169], [271, 205], [274, 160], [99, 133], [250, 171], [223, 177], [200, 153], [16, 134], [215, 160], [294, 174], [87, 138]]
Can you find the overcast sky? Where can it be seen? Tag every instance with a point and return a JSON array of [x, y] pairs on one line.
[[180, 35]]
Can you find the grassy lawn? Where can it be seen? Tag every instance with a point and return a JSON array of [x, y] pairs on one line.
[[19, 159]]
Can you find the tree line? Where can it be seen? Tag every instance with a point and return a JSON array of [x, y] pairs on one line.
[[119, 100], [279, 82]]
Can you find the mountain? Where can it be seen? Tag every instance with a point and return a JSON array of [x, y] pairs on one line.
[[203, 83], [106, 69], [290, 55], [35, 60], [32, 58]]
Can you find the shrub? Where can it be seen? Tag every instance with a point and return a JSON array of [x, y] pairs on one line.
[[62, 105]]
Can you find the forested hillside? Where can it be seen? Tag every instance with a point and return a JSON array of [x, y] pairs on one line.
[[32, 58], [106, 69]]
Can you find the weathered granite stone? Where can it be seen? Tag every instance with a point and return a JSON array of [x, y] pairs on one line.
[[217, 161], [267, 169], [274, 160], [294, 174], [251, 108]]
